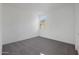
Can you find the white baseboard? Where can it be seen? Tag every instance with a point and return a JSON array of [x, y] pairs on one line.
[[27, 37], [56, 39]]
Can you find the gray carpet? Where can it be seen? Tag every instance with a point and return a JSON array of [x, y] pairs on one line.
[[37, 45]]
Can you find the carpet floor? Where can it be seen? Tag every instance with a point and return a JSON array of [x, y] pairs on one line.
[[37, 46]]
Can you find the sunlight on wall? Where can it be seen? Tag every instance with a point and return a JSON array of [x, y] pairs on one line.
[[43, 21], [38, 17]]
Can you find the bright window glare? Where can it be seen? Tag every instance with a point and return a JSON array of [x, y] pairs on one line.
[[43, 17]]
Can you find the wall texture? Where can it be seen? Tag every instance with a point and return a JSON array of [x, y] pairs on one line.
[[60, 23], [21, 21], [18, 23]]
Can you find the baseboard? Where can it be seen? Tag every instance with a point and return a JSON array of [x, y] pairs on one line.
[[57, 40], [21, 40]]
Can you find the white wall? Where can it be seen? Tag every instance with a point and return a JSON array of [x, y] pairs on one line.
[[0, 28], [21, 21], [60, 23], [18, 23], [77, 26]]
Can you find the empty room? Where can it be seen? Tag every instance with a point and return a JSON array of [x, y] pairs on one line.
[[40, 28]]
